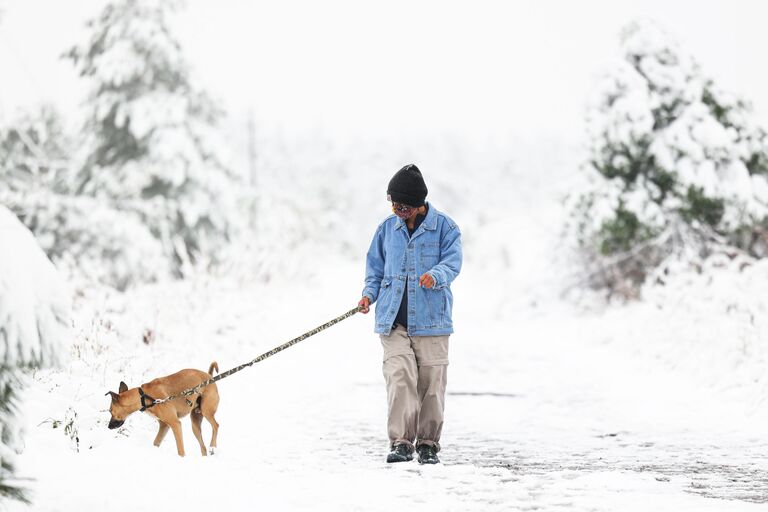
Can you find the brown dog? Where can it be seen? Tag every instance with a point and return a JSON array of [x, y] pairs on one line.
[[127, 401]]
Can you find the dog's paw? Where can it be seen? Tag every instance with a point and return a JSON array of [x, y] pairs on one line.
[[211, 450]]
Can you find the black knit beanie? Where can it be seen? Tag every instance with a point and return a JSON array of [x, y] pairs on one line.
[[407, 186]]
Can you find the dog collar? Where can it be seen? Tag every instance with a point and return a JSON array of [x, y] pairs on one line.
[[144, 399]]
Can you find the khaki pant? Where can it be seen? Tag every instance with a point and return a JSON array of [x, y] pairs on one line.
[[415, 370]]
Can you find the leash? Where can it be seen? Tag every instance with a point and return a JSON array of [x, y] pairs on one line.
[[196, 389]]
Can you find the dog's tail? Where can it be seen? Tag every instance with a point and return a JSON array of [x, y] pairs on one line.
[[214, 366]]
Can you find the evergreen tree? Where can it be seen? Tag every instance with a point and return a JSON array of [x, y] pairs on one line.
[[150, 131], [34, 328], [85, 236], [677, 166], [8, 384]]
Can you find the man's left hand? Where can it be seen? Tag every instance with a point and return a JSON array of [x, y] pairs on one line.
[[426, 281]]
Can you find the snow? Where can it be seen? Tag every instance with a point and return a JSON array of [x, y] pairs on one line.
[[34, 323], [709, 324], [555, 401], [152, 147], [34, 300], [549, 405], [669, 167], [548, 411]]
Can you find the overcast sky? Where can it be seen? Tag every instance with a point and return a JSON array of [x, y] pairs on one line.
[[410, 67]]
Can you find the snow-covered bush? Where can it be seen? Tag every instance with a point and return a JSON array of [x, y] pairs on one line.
[[34, 326], [85, 236], [677, 167], [90, 240], [150, 133], [34, 152]]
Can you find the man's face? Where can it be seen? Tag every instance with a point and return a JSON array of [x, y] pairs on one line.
[[404, 211]]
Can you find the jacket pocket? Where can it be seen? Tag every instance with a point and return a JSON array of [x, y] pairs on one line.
[[435, 307], [430, 249], [384, 302], [430, 254], [384, 289]]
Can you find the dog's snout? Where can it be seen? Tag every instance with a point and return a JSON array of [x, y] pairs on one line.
[[115, 424]]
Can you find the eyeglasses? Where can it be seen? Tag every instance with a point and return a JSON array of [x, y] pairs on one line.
[[400, 207]]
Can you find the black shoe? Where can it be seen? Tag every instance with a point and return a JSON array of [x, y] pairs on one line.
[[427, 454], [400, 453]]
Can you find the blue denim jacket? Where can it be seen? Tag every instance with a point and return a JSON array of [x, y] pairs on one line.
[[394, 258]]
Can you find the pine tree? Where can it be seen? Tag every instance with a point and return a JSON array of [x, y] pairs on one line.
[[677, 166], [85, 236], [34, 328], [150, 133], [9, 383]]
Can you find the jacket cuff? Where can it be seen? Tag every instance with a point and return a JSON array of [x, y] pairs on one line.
[[439, 285], [368, 292]]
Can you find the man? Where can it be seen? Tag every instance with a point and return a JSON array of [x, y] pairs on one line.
[[414, 256]]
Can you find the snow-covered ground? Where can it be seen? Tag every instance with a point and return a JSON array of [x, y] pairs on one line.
[[656, 405], [553, 403], [546, 409]]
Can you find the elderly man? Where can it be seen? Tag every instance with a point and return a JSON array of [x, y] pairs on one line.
[[414, 257]]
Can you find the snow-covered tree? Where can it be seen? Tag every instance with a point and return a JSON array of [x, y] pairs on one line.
[[150, 133], [85, 236], [34, 327], [33, 151], [677, 166]]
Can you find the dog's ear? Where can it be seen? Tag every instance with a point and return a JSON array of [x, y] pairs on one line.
[[112, 394], [123, 387]]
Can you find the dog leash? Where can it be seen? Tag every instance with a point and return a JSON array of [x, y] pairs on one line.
[[196, 389]]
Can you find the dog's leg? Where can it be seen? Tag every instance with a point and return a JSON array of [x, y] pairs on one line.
[[197, 420], [215, 428], [208, 408], [175, 425], [161, 433]]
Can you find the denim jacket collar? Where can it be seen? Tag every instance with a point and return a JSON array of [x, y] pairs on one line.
[[430, 222]]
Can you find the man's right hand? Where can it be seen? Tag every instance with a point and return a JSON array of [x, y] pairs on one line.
[[365, 303]]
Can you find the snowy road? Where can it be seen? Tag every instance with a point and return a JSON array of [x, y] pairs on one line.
[[540, 415]]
